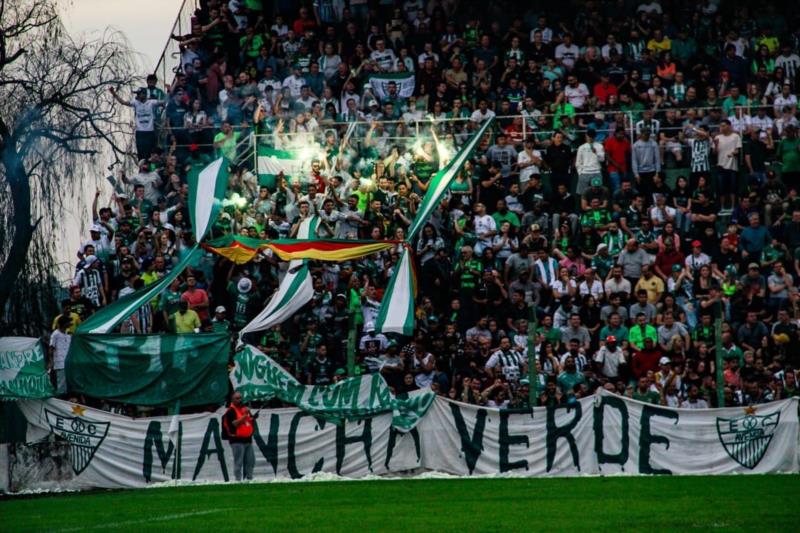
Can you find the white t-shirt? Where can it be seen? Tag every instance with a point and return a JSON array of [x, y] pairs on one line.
[[60, 343], [526, 173], [479, 117], [484, 224], [294, 84], [145, 114], [567, 54], [385, 59], [577, 95], [726, 144]]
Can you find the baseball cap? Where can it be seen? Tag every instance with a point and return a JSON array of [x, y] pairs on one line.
[[697, 244], [370, 326], [664, 361], [220, 309], [89, 260], [96, 228], [597, 182], [676, 268], [611, 338], [601, 246], [535, 227], [753, 266], [342, 296]]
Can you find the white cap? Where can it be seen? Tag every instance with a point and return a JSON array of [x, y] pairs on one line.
[[96, 227], [369, 326], [244, 285], [664, 361], [220, 309], [89, 260]]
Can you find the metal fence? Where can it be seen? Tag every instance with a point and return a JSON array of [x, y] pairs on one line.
[[170, 60]]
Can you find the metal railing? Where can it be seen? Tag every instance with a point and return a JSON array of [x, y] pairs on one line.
[[170, 60]]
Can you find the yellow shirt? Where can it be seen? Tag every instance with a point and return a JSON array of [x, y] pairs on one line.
[[664, 45], [654, 287], [186, 322], [76, 321]]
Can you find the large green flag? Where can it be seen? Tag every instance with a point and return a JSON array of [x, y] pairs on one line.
[[270, 162], [206, 193], [258, 377], [150, 369], [442, 180], [396, 314], [23, 370]]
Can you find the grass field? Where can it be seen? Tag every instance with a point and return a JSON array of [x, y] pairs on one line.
[[764, 503]]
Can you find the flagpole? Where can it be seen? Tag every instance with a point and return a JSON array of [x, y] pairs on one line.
[[533, 379], [718, 353], [351, 346]]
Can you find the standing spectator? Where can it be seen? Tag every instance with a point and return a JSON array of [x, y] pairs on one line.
[[238, 425], [145, 109], [645, 160], [727, 144], [60, 340], [589, 162], [618, 154]]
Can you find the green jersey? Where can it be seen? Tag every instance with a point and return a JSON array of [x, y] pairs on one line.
[[648, 397]]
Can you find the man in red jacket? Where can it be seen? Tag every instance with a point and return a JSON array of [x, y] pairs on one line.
[[618, 153], [646, 359], [238, 424]]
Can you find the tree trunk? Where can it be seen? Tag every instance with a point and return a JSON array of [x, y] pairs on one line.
[[20, 187]]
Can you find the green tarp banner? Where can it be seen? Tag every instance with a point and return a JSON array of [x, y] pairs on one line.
[[23, 370], [150, 369], [258, 377]]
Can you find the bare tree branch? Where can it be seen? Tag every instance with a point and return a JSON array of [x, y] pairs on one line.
[[56, 118]]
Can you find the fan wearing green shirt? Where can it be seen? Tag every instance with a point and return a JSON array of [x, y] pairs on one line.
[[468, 269], [570, 376], [644, 393], [641, 331], [503, 214], [596, 216]]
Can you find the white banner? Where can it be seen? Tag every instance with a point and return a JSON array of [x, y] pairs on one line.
[[602, 434]]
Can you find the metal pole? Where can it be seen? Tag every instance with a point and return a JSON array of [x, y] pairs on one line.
[[351, 346], [718, 350], [533, 378]]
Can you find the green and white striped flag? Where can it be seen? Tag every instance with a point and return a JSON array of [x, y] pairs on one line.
[[380, 82], [107, 318], [270, 162], [396, 314], [308, 228], [295, 291], [442, 180], [206, 193]]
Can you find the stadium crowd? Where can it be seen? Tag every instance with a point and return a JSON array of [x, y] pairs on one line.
[[640, 180]]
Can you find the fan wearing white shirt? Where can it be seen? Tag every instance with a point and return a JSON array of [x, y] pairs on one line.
[[485, 228], [589, 162], [567, 52], [528, 161], [383, 57], [576, 93]]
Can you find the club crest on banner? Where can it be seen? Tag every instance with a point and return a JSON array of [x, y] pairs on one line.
[[746, 438], [84, 436]]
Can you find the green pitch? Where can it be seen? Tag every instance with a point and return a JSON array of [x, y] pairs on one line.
[[764, 503]]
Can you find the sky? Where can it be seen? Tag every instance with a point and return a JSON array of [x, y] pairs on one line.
[[146, 23]]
